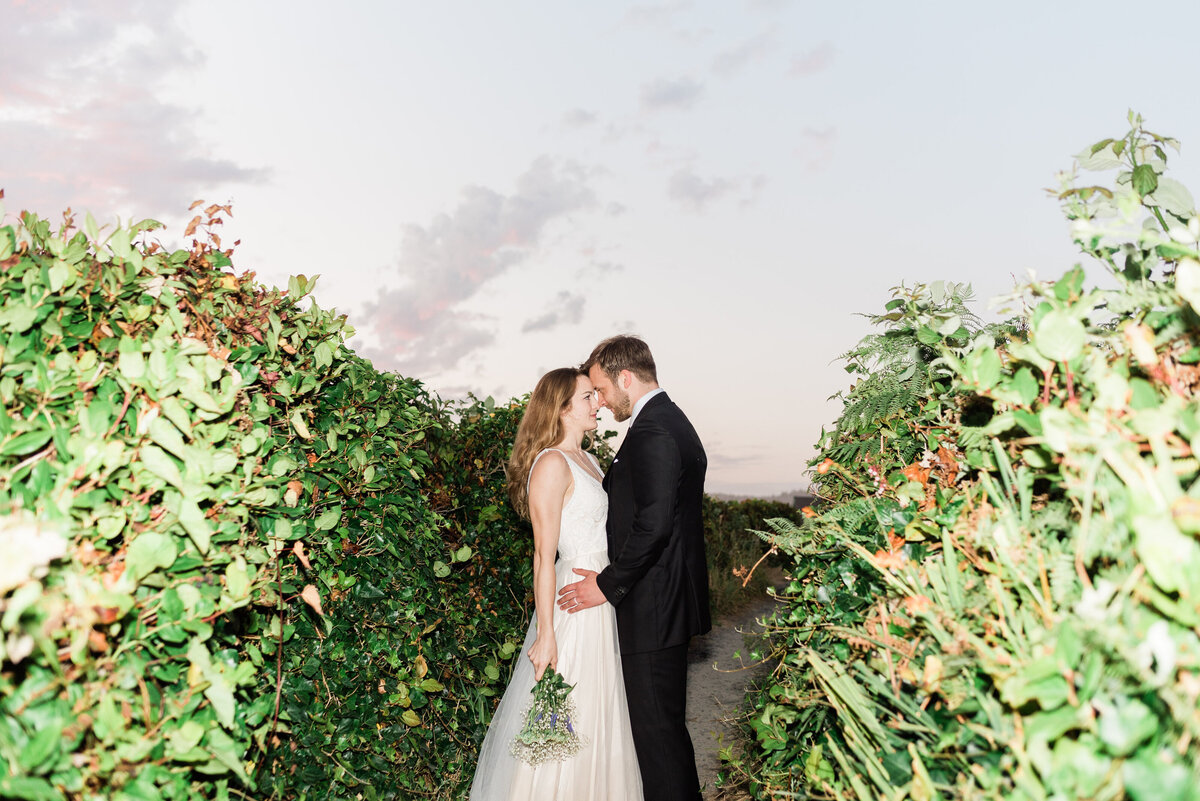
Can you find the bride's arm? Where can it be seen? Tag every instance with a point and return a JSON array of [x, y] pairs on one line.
[[548, 485]]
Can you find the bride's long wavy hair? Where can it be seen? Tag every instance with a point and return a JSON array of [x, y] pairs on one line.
[[541, 427]]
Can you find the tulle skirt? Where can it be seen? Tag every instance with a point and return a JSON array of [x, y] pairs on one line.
[[589, 657]]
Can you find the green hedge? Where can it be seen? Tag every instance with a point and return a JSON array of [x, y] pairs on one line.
[[737, 556], [1001, 598]]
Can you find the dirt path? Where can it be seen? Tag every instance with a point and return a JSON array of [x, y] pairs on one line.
[[717, 684]]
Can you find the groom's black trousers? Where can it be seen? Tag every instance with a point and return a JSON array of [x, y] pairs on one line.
[[656, 688]]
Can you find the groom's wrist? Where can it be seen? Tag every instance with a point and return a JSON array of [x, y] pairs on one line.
[[613, 592]]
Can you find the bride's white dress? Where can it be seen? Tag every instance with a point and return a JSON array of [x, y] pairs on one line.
[[606, 768]]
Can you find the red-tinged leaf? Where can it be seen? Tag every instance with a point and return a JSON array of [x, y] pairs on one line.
[[298, 549], [311, 597], [195, 203]]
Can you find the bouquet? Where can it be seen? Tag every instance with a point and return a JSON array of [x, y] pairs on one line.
[[548, 735]]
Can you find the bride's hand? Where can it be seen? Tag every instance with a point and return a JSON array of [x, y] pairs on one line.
[[543, 652]]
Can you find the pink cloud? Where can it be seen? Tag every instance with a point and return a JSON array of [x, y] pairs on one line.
[[417, 327], [734, 59], [814, 61], [81, 114]]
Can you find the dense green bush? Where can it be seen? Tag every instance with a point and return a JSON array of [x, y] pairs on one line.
[[134, 443], [1001, 596], [249, 562]]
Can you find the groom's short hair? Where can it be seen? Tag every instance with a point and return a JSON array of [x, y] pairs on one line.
[[623, 352]]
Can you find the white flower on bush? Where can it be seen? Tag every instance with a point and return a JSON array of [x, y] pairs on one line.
[[1158, 652], [29, 546]]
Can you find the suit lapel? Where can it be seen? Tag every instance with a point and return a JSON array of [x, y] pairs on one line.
[[655, 401]]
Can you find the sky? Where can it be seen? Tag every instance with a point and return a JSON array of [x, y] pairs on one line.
[[489, 189]]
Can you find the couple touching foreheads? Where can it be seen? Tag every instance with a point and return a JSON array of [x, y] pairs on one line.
[[629, 589]]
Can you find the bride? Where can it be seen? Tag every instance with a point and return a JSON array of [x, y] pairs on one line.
[[555, 484]]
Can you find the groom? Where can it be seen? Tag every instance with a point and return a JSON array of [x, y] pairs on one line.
[[658, 577]]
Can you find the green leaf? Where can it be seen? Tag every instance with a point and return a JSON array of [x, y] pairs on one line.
[[198, 527], [58, 274], [927, 336], [26, 443], [1169, 556], [182, 740], [1025, 385], [28, 788], [1174, 197], [1070, 285], [228, 752], [160, 464], [949, 325], [119, 243], [983, 367], [38, 751], [129, 359], [441, 569], [297, 420], [323, 355], [463, 554], [1059, 336], [1144, 179], [432, 686], [219, 692], [328, 519], [237, 579], [1151, 777], [163, 433], [18, 317], [1125, 724], [150, 551], [411, 718]]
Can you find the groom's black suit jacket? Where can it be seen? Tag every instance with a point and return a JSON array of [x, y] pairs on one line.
[[657, 577]]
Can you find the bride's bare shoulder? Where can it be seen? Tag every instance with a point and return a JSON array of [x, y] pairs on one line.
[[550, 468]]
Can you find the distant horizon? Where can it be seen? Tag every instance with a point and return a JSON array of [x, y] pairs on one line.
[[754, 489]]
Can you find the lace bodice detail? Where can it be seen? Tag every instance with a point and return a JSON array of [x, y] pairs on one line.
[[585, 513]]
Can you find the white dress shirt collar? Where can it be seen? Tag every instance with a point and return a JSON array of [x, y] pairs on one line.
[[637, 407]]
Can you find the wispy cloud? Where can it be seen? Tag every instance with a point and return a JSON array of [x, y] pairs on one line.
[[419, 328], [565, 309], [669, 18], [82, 116], [578, 118], [655, 14], [816, 147], [671, 93], [730, 61], [693, 192], [719, 459], [812, 61], [598, 265]]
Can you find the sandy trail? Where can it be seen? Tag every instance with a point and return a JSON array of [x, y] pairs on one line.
[[717, 684]]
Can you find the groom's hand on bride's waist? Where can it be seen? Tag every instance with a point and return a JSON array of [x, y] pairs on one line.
[[583, 594]]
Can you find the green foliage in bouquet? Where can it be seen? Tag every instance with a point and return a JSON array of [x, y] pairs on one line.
[[1001, 597], [549, 733]]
